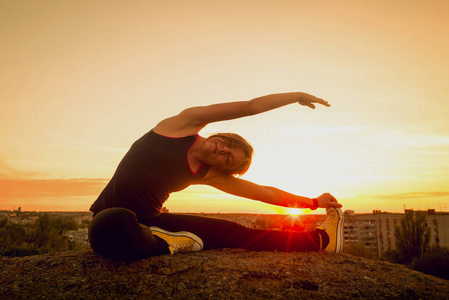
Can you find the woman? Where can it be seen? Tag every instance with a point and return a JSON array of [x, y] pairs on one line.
[[128, 223]]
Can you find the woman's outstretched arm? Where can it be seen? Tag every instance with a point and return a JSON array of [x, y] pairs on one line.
[[192, 120], [267, 194]]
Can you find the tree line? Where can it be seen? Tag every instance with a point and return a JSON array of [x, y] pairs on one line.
[[45, 235]]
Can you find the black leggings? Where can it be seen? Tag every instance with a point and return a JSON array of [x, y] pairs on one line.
[[116, 233]]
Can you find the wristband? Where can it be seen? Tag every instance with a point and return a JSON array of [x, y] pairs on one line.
[[315, 204]]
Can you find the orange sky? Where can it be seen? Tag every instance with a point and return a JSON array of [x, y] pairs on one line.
[[81, 80]]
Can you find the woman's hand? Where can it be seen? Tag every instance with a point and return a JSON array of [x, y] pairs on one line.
[[327, 200], [309, 100]]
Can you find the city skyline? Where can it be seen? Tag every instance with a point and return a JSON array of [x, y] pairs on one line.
[[82, 81]]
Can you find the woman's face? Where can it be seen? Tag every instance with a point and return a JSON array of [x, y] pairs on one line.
[[220, 154]]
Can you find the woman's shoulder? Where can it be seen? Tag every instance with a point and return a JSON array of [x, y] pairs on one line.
[[171, 128]]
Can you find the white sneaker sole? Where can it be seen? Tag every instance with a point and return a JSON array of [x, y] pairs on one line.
[[194, 237], [339, 243]]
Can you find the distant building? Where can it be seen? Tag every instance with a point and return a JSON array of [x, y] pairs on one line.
[[360, 229], [376, 231]]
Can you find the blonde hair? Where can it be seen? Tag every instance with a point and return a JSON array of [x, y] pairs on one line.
[[237, 142]]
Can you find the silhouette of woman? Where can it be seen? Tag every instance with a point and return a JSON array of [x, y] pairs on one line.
[[128, 223]]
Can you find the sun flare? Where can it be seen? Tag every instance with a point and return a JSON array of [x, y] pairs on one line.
[[294, 211]]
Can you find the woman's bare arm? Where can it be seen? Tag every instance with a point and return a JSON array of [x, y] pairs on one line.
[[267, 194], [192, 120]]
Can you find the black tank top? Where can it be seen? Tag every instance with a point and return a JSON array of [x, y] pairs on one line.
[[154, 167]]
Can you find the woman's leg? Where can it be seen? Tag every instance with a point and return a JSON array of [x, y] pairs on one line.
[[115, 233], [218, 233]]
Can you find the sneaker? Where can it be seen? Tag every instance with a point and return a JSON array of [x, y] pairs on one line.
[[333, 226], [181, 241]]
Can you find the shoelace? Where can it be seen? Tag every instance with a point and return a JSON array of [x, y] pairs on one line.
[[328, 221], [179, 247]]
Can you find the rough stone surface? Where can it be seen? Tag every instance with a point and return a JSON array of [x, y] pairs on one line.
[[214, 274]]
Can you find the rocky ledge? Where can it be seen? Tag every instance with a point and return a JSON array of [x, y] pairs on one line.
[[214, 274]]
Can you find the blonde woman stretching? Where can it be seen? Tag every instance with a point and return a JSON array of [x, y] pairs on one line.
[[128, 223]]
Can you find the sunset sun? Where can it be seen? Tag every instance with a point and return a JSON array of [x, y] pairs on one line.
[[294, 211]]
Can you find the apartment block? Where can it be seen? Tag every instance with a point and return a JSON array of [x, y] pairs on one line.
[[376, 231]]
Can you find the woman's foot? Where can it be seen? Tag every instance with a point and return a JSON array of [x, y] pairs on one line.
[[333, 227], [181, 241]]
